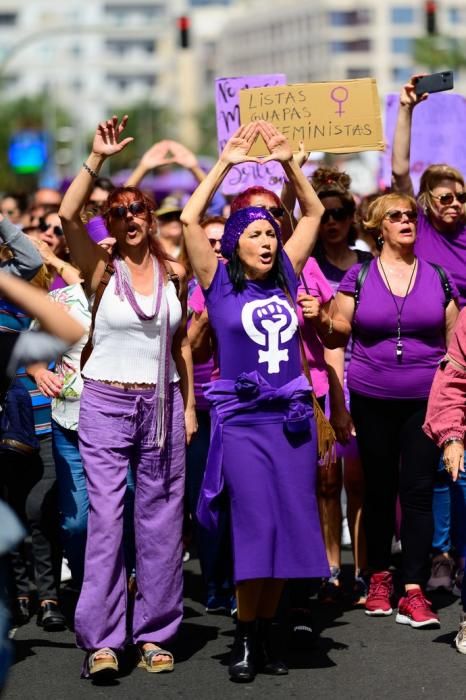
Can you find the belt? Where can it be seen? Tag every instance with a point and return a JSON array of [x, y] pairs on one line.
[[17, 445]]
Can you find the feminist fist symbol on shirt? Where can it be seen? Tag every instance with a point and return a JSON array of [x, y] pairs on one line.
[[270, 323]]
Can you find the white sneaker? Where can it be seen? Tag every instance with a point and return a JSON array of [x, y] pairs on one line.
[[441, 574], [460, 639]]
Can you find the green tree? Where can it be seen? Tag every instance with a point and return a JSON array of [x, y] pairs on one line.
[[207, 122], [147, 123], [440, 52]]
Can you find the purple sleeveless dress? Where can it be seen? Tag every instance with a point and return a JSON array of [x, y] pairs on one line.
[[268, 468]]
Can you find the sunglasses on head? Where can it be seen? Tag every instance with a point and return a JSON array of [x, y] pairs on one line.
[[135, 208], [277, 212], [396, 215], [337, 214], [449, 197]]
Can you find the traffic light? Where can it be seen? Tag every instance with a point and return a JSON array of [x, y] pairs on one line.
[[184, 25], [431, 17]]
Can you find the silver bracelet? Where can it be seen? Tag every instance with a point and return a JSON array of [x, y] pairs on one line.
[[91, 172]]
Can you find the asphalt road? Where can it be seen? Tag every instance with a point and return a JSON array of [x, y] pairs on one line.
[[351, 657]]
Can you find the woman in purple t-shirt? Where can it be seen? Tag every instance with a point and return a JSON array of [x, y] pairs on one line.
[[263, 446], [441, 239], [400, 324]]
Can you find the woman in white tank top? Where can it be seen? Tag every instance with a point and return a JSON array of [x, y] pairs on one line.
[[137, 407]]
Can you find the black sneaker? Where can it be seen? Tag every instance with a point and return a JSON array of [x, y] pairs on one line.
[[301, 632]]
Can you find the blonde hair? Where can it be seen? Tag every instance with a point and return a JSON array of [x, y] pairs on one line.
[[42, 278], [379, 207], [433, 176]]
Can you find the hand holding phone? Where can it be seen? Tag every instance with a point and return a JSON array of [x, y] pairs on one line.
[[435, 82]]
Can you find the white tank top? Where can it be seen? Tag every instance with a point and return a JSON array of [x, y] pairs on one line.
[[127, 348]]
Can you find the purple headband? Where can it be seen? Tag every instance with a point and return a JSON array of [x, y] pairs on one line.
[[239, 221], [96, 229]]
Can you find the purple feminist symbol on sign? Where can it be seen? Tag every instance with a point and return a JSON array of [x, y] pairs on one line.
[[340, 95]]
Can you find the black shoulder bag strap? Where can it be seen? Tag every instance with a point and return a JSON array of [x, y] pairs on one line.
[[444, 282], [361, 278]]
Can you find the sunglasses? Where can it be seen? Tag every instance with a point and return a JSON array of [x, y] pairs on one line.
[[44, 226], [277, 212], [135, 208], [396, 215], [448, 197], [337, 214]]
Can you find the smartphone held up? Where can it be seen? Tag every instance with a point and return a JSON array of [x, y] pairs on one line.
[[435, 82]]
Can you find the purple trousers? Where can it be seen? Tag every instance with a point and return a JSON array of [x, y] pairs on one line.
[[113, 428]]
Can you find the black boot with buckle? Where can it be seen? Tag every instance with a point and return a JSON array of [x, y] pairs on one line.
[[267, 660], [242, 660]]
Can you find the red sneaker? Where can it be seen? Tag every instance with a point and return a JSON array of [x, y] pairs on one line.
[[380, 591], [414, 609]]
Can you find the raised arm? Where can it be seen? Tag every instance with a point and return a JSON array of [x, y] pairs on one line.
[[26, 261], [288, 196], [300, 244], [401, 179], [185, 158], [90, 257], [154, 157], [202, 257]]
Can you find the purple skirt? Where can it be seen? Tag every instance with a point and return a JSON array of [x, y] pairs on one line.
[[270, 477]]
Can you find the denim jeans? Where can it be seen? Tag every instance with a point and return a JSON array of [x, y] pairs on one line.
[[213, 547], [74, 502], [449, 508]]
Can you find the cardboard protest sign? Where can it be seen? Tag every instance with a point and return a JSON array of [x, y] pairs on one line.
[[227, 110], [336, 117], [436, 134]]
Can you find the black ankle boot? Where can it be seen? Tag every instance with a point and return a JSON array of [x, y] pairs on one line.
[[242, 667], [267, 661]]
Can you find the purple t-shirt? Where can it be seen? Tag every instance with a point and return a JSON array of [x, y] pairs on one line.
[[256, 328], [202, 371], [320, 289], [445, 249], [374, 370]]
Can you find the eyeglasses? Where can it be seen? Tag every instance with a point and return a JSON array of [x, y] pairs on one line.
[[337, 214], [277, 212], [449, 197], [135, 208], [8, 212], [396, 215]]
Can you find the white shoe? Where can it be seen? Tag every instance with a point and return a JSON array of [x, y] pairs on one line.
[[460, 639]]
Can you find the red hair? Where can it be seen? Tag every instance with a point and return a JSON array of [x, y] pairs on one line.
[[126, 195], [243, 199]]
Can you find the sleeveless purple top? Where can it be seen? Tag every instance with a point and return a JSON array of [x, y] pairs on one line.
[[374, 369], [256, 328]]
